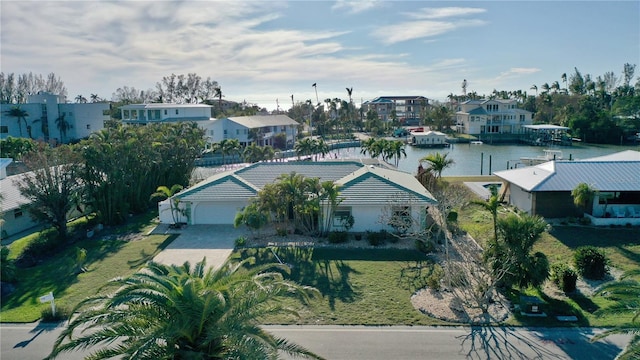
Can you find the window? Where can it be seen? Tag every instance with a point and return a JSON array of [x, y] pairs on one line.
[[156, 114], [165, 111], [225, 131], [88, 126], [4, 129], [237, 131], [341, 217], [401, 219], [17, 213], [125, 114], [176, 111], [211, 132]]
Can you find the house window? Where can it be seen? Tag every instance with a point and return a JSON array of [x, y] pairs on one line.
[[88, 126], [165, 111], [225, 131], [4, 129], [341, 217], [176, 111], [156, 114], [17, 213], [125, 114], [211, 132], [237, 131], [522, 118], [401, 218], [283, 128]]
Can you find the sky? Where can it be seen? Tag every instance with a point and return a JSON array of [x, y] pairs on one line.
[[263, 52]]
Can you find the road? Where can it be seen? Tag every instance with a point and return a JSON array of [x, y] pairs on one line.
[[34, 341]]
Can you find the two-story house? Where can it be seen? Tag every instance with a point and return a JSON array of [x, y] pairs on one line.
[[50, 118], [258, 129], [491, 117]]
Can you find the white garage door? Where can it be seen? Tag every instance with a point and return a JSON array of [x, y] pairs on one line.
[[215, 213]]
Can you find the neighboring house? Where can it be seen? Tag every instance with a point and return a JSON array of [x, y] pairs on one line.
[[51, 119], [143, 114], [15, 219], [258, 129], [491, 117], [367, 192], [409, 109], [545, 189]]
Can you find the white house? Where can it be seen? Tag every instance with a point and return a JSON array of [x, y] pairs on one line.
[[46, 115], [157, 112], [259, 129], [494, 116], [545, 189], [368, 192], [408, 109], [14, 218]]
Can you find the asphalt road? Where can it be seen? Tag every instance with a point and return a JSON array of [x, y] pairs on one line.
[[34, 341]]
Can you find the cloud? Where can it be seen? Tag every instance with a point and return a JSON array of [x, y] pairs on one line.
[[356, 7], [517, 72], [439, 13], [412, 30]]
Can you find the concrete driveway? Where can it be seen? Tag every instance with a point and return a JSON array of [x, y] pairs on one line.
[[195, 242]]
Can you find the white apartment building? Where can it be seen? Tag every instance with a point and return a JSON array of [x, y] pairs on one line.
[[48, 117], [408, 109]]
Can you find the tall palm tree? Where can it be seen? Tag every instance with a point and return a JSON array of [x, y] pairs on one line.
[[63, 126], [626, 294], [94, 98], [564, 80], [218, 94], [185, 312], [437, 163], [81, 99], [395, 150], [163, 192], [20, 115], [535, 87]]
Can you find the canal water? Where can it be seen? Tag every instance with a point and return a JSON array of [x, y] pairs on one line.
[[471, 159]]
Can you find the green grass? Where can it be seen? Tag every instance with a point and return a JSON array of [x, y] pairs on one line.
[[106, 259], [367, 287]]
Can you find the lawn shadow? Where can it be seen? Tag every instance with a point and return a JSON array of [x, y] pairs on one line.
[[635, 257], [414, 275]]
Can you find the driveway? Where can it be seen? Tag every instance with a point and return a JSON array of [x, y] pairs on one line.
[[195, 242]]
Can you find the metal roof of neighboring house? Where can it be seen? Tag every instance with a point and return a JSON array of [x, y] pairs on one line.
[[11, 197], [258, 121], [628, 155], [566, 175], [360, 183]]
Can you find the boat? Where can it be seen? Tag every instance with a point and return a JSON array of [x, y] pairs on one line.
[[477, 142], [549, 155]]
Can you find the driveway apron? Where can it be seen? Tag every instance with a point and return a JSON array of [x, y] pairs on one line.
[[195, 242]]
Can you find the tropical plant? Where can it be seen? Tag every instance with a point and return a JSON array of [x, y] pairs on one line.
[[516, 236], [20, 116], [163, 192], [591, 262], [492, 204], [81, 99], [63, 126], [626, 294], [437, 163], [583, 195], [186, 312]]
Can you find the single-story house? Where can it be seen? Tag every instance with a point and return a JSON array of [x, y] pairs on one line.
[[428, 139], [545, 189], [368, 191], [14, 218]]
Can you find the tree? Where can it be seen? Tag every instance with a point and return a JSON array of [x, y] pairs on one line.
[[63, 126], [163, 192], [185, 312], [437, 163], [95, 98], [20, 116], [81, 99], [15, 148], [626, 294], [52, 185], [583, 195], [516, 236], [492, 205]]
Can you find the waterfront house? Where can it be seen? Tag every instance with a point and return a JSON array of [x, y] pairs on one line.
[[259, 129], [368, 190], [545, 189], [495, 116], [427, 139], [50, 118]]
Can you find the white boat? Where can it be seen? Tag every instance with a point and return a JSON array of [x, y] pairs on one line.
[[549, 155], [477, 142]]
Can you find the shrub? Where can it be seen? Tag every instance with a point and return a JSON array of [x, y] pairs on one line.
[[46, 244], [336, 237], [564, 277], [8, 266], [240, 242], [62, 313], [591, 262], [425, 246], [452, 216], [281, 231], [376, 238], [435, 278]]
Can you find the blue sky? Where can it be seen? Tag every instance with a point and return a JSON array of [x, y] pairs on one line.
[[267, 50]]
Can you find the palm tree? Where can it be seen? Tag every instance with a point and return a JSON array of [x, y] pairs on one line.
[[583, 195], [163, 192], [63, 126], [437, 163], [218, 94], [94, 98], [492, 205], [626, 294], [81, 99], [564, 80], [185, 312], [20, 115], [395, 150], [535, 87]]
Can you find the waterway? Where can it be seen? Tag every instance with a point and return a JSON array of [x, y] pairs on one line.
[[472, 159]]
